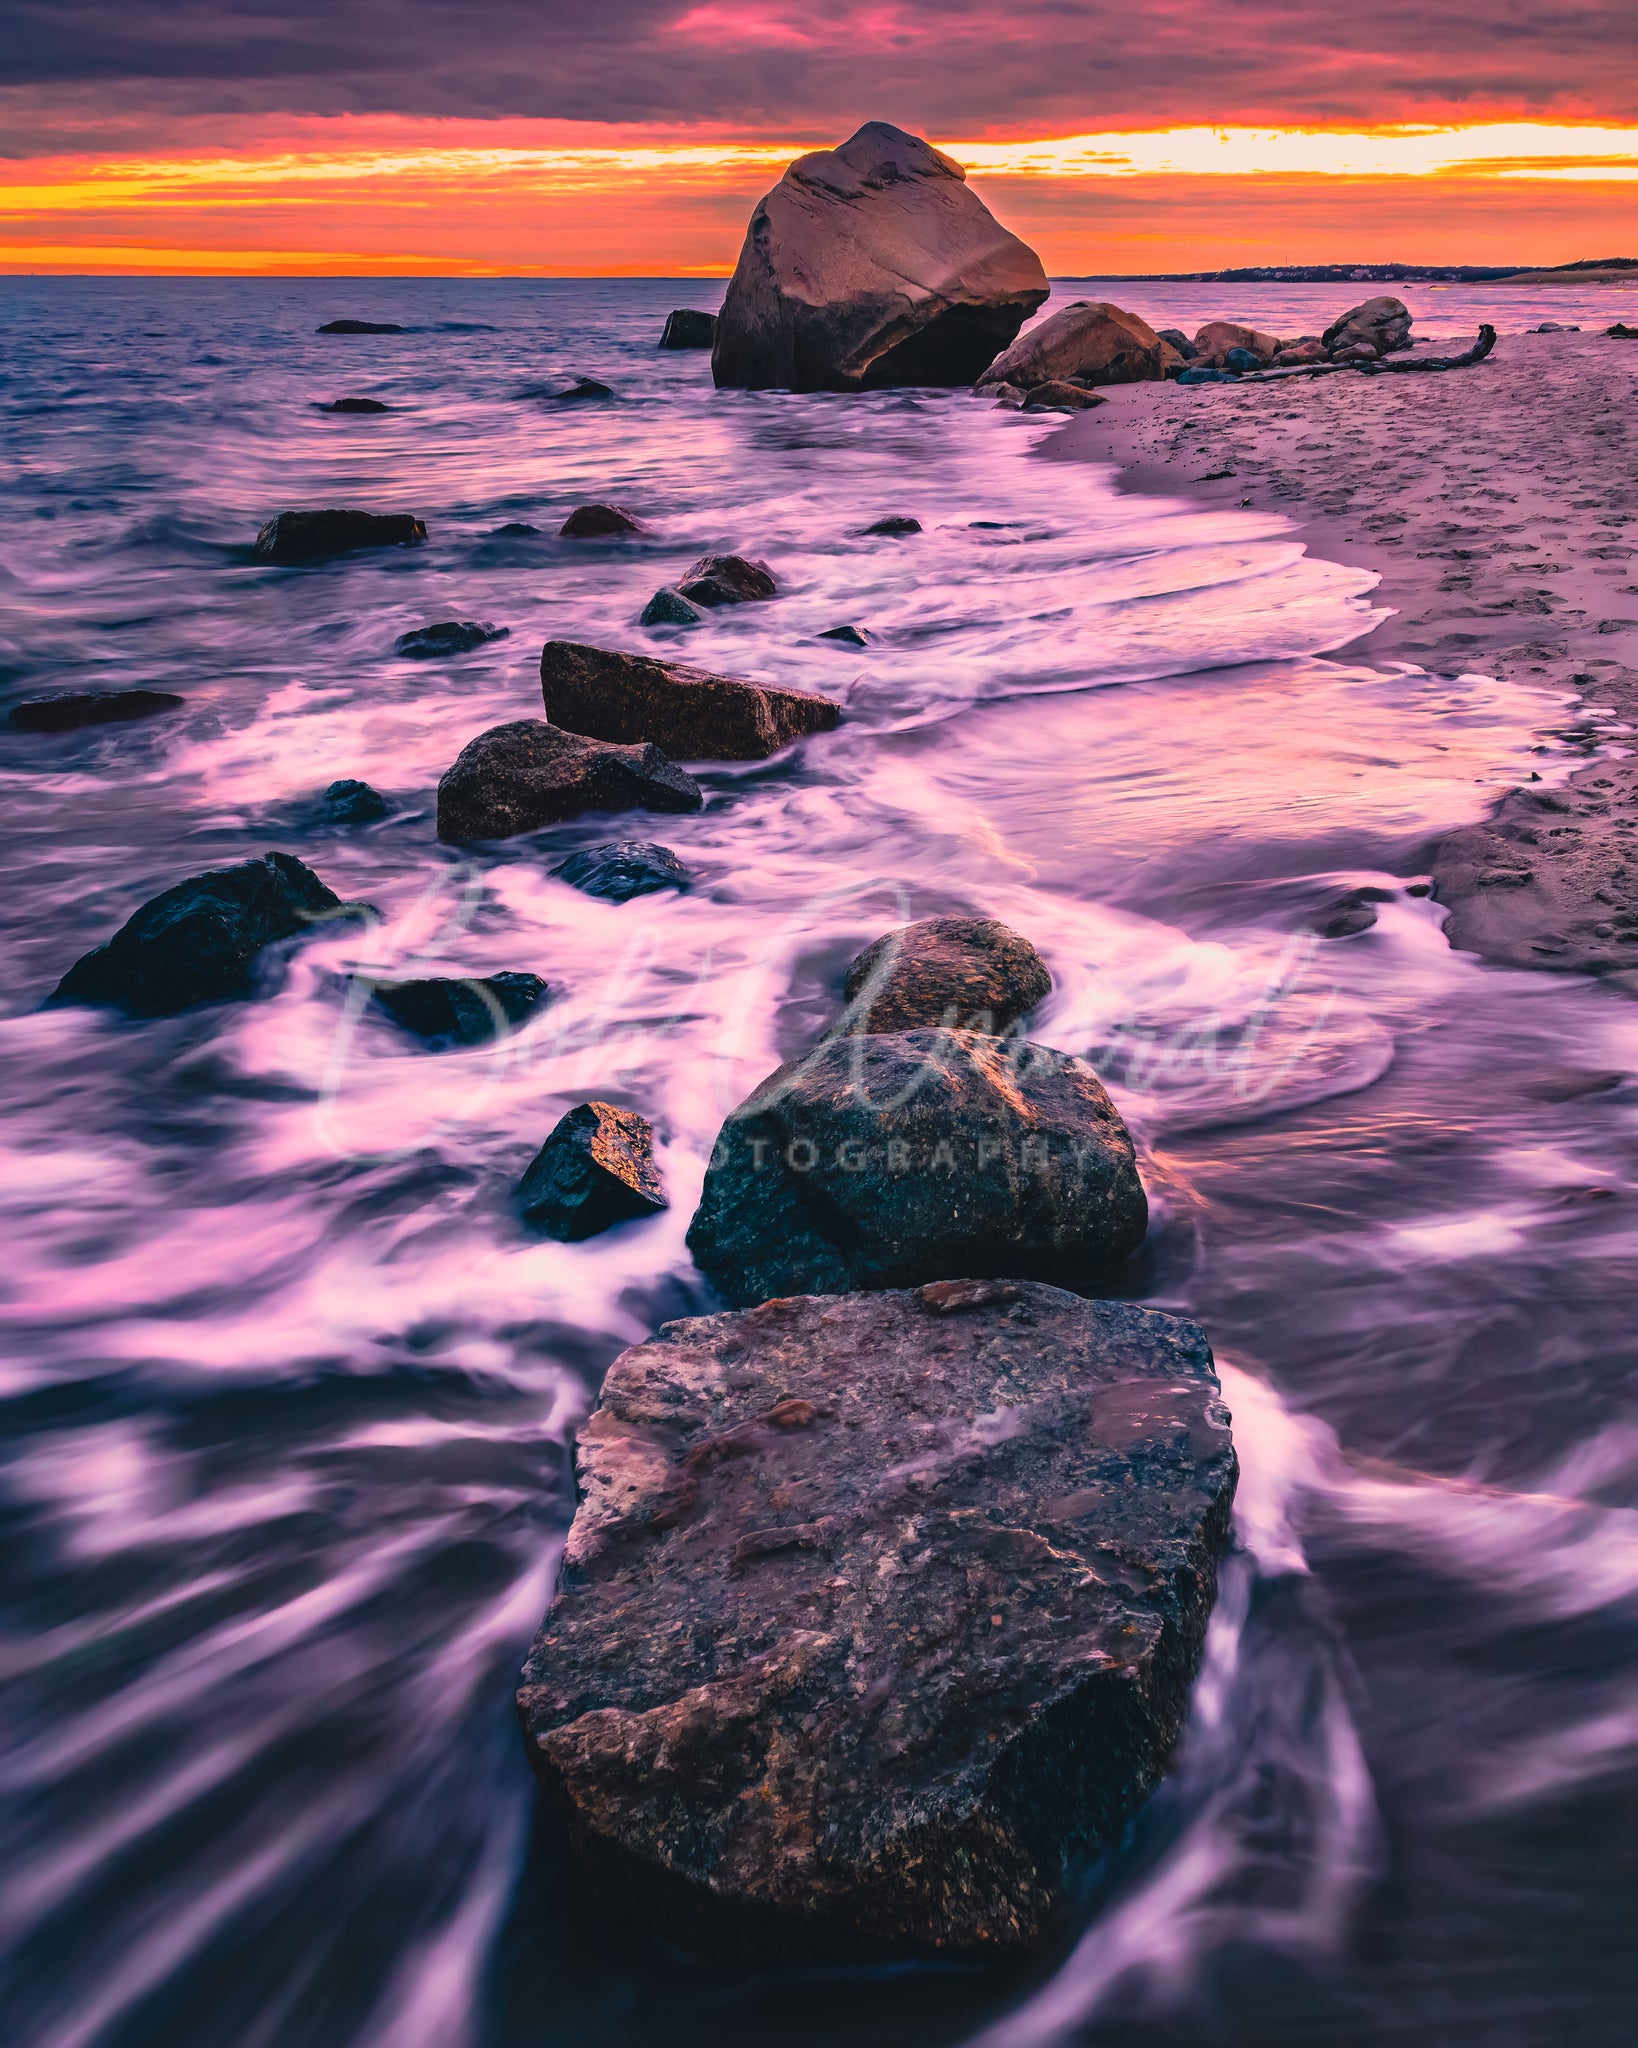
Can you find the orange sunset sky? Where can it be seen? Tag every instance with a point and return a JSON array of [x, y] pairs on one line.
[[404, 136]]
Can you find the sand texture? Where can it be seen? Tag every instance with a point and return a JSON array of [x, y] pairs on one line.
[[1499, 504]]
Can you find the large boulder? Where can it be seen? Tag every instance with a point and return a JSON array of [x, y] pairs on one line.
[[974, 973], [595, 1170], [518, 777], [198, 941], [869, 265], [1091, 339], [887, 1160], [1382, 324], [316, 536], [878, 1618], [693, 715], [1217, 337]]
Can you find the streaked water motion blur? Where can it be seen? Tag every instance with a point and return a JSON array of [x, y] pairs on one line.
[[288, 1391]]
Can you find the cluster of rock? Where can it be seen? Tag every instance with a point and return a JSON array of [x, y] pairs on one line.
[[879, 1611]]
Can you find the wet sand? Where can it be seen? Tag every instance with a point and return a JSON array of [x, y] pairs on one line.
[[1499, 505]]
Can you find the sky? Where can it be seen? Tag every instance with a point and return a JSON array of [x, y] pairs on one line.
[[582, 137]]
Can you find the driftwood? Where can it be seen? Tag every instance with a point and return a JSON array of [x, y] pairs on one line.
[[1476, 354]]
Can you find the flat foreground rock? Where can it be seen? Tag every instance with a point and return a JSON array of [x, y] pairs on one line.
[[518, 777], [886, 1161], [878, 1617], [693, 715]]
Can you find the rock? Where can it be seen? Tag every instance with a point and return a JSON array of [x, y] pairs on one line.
[[878, 1618], [89, 707], [1091, 339], [1198, 373], [895, 523], [1059, 397], [728, 579], [686, 328], [1554, 327], [581, 388], [869, 265], [669, 607], [1355, 352], [596, 1169], [1294, 353], [197, 942], [312, 536], [515, 778], [355, 405], [693, 715], [884, 1161], [1008, 397], [624, 869], [468, 1011], [971, 972], [448, 637], [514, 529], [1241, 359], [1353, 912], [360, 327], [1217, 337], [597, 522], [351, 803], [1385, 323], [1620, 332], [855, 636], [1177, 340]]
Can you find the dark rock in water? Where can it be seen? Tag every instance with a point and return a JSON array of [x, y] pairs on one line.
[[872, 265], [518, 777], [449, 636], [514, 529], [360, 327], [1008, 398], [597, 522], [1385, 323], [596, 1169], [855, 636], [349, 802], [89, 707], [884, 1161], [728, 579], [686, 328], [1241, 359], [1177, 339], [1353, 912], [693, 715], [968, 972], [468, 1011], [623, 869], [197, 942], [1061, 396], [355, 405], [878, 1618], [895, 523], [1621, 332], [581, 388], [312, 536], [669, 607]]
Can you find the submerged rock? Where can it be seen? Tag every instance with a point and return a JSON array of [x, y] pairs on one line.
[[1383, 323], [869, 265], [349, 802], [686, 328], [598, 522], [70, 712], [894, 524], [884, 1161], [360, 327], [514, 529], [515, 778], [669, 607], [595, 1170], [448, 637], [197, 942], [1092, 340], [877, 1620], [854, 636], [581, 388], [469, 1011], [624, 869], [974, 973], [313, 536], [728, 579], [693, 715], [355, 405]]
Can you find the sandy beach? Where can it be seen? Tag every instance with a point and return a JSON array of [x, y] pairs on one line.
[[1497, 505]]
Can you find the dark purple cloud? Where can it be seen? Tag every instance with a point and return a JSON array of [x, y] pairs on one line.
[[951, 67]]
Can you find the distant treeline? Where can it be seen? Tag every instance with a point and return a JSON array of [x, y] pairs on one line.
[[1377, 273]]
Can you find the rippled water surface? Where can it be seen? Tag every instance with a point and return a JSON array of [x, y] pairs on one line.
[[289, 1394]]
